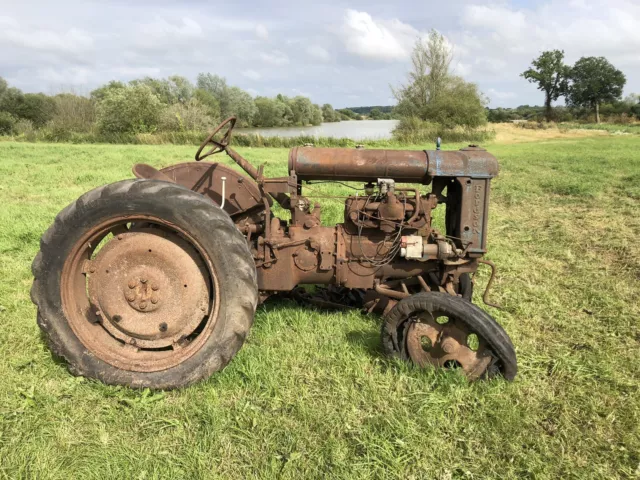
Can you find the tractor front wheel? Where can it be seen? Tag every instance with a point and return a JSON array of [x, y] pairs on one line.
[[434, 329], [144, 283]]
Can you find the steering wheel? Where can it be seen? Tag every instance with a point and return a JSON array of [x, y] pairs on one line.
[[218, 145]]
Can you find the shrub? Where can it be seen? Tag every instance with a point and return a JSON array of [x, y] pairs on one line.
[[415, 130], [189, 116], [7, 123], [73, 113], [132, 109]]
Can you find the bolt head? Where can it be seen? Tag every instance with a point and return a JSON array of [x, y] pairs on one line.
[[154, 300], [143, 280], [92, 269], [131, 296], [132, 283], [155, 287], [162, 327], [120, 237], [143, 305]]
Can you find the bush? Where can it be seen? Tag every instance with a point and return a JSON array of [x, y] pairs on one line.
[[26, 129], [73, 113], [190, 116], [7, 123], [415, 130], [129, 110]]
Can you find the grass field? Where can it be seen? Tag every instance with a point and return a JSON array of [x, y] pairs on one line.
[[310, 394]]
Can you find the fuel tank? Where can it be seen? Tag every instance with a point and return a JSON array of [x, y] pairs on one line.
[[404, 166]]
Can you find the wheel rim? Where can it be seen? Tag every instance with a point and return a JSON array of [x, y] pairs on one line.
[[441, 340], [140, 293]]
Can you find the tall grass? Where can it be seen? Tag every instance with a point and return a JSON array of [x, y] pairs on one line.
[[414, 130], [188, 137]]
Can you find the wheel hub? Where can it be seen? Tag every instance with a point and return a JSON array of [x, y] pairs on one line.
[[149, 288], [445, 345]]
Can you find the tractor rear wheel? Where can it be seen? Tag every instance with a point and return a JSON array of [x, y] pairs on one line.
[[144, 283]]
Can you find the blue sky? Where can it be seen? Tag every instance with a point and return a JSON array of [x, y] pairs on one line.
[[346, 53]]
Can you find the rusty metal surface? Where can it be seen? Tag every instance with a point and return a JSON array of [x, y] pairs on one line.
[[471, 162], [142, 170], [446, 345], [241, 193], [404, 166], [141, 299], [358, 164], [220, 144], [149, 287]]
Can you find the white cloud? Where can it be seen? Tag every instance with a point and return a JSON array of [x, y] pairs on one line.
[[377, 39], [252, 75], [318, 52], [276, 58], [493, 93], [161, 33], [261, 32], [14, 35]]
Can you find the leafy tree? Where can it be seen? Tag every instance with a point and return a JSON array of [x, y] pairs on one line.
[[550, 73], [329, 114], [431, 61], [211, 103], [73, 114], [433, 94], [184, 117], [316, 115], [270, 112], [3, 86], [376, 114], [348, 114], [36, 107], [175, 89], [593, 81], [304, 112], [100, 92], [7, 123], [458, 104], [132, 109], [239, 103], [216, 86]]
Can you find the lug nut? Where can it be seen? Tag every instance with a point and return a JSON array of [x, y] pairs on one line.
[[143, 280], [130, 296], [143, 305], [132, 283], [155, 287], [154, 300]]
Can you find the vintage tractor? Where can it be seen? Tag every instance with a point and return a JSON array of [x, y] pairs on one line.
[[154, 281]]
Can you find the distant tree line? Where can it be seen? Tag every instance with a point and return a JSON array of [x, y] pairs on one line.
[[155, 105], [591, 83], [619, 111]]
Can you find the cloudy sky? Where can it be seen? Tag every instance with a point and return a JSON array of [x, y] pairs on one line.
[[346, 53]]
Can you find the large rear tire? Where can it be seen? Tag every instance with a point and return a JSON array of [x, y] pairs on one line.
[[144, 283]]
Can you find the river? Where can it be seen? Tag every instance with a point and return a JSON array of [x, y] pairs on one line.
[[354, 129]]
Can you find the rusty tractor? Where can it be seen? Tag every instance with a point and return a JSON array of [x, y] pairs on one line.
[[154, 281]]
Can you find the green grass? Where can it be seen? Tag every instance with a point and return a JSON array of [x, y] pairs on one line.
[[310, 394], [632, 128]]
